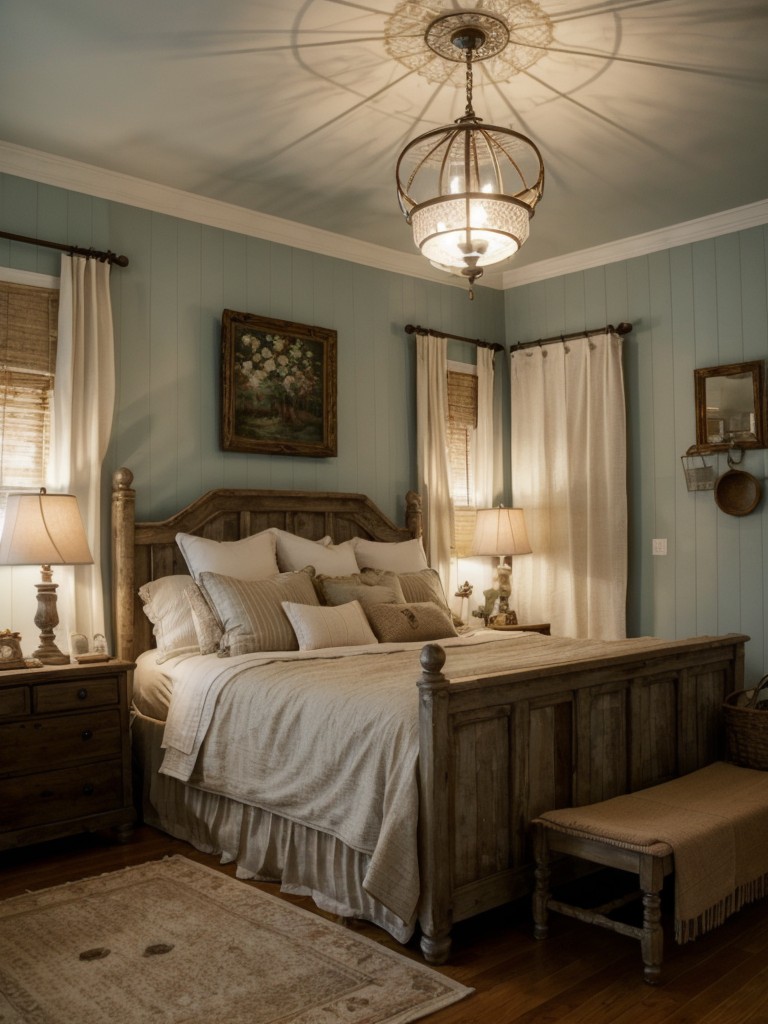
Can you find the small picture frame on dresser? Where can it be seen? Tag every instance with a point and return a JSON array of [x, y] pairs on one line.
[[78, 644]]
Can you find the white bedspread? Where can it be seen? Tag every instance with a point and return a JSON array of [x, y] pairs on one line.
[[330, 739]]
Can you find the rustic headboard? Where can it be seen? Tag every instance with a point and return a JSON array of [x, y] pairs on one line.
[[146, 551]]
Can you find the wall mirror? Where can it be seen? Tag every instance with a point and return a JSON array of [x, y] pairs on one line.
[[730, 407]]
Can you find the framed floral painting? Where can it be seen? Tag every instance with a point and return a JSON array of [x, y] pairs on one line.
[[278, 382]]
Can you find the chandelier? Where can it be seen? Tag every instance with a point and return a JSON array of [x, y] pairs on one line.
[[467, 189]]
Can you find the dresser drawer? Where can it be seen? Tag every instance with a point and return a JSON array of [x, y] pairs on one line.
[[70, 696], [60, 740], [14, 701], [48, 797]]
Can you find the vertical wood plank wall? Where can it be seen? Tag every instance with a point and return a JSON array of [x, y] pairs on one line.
[[696, 305]]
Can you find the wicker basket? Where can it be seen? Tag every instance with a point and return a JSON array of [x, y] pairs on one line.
[[746, 726]]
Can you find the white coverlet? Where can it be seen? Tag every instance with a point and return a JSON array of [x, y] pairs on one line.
[[330, 739]]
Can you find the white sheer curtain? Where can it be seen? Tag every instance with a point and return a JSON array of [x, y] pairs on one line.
[[432, 456], [484, 438], [83, 405], [569, 475]]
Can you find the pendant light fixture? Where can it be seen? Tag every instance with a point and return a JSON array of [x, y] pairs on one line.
[[467, 189]]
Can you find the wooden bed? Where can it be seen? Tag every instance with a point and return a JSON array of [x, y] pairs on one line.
[[495, 751]]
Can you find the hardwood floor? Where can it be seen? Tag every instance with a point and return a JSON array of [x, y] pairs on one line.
[[580, 975]]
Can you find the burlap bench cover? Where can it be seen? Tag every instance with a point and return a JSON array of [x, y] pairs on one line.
[[710, 827]]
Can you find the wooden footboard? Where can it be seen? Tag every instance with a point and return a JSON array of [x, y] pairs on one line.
[[496, 752]]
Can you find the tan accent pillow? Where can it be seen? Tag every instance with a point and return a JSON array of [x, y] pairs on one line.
[[367, 588], [207, 628], [251, 613], [399, 623], [252, 558], [320, 627]]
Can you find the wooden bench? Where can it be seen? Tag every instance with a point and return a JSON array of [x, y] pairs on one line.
[[716, 819]]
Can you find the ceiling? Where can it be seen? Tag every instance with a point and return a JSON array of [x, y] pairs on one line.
[[648, 113]]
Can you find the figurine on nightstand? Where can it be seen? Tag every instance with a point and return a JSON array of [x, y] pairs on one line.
[[10, 650], [484, 611]]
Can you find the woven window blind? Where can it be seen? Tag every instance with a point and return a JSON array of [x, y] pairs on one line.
[[462, 421], [28, 330]]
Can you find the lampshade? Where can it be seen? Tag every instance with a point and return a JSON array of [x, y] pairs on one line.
[[500, 531], [43, 529]]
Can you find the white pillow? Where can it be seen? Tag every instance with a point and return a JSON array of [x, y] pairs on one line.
[[294, 553], [169, 612], [252, 558], [250, 611], [402, 556], [344, 625]]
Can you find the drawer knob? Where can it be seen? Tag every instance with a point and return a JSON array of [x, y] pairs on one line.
[[86, 734], [88, 789], [82, 694]]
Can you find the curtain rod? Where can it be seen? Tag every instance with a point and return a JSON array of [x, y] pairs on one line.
[[493, 346], [73, 250], [623, 328]]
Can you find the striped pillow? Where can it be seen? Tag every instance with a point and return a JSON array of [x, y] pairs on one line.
[[250, 611]]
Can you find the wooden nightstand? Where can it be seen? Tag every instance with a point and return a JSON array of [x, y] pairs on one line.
[[65, 752], [537, 627]]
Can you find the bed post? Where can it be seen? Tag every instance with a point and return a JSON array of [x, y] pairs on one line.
[[436, 912], [123, 519], [413, 514]]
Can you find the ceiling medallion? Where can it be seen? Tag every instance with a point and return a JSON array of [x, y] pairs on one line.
[[467, 189], [517, 34]]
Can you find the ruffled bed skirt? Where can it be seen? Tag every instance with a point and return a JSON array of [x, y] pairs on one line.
[[264, 846]]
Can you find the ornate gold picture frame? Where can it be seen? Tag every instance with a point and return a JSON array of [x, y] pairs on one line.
[[278, 386]]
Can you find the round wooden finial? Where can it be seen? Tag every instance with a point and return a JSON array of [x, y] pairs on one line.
[[122, 479], [432, 658]]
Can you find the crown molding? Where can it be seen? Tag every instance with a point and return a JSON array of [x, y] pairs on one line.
[[725, 223], [114, 186]]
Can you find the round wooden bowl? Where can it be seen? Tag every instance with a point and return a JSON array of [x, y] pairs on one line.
[[737, 493]]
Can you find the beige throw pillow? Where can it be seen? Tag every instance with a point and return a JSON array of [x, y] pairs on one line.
[[252, 558], [207, 628], [367, 588], [293, 553], [172, 624], [251, 613], [321, 627], [398, 556]]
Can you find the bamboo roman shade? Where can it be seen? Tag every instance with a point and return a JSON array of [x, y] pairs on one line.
[[462, 421], [28, 330]]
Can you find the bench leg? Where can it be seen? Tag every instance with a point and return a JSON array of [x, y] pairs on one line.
[[652, 939], [541, 891]]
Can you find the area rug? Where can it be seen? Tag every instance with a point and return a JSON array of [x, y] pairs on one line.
[[175, 942]]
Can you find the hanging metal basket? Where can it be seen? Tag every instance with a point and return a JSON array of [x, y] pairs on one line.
[[699, 475]]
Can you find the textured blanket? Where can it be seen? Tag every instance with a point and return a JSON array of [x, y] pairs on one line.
[[715, 820], [330, 739]]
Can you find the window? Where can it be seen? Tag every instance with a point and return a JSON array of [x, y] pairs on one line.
[[28, 329], [462, 423]]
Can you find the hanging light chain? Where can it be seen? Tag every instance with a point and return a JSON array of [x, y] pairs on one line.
[[469, 112]]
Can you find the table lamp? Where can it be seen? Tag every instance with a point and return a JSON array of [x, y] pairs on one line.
[[44, 529], [501, 532]]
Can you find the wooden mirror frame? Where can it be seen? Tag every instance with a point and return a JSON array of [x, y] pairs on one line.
[[703, 443]]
